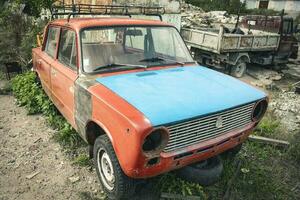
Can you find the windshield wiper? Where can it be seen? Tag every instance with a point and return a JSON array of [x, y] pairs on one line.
[[112, 65], [155, 59]]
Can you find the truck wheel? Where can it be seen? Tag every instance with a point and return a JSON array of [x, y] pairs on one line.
[[114, 182], [239, 69], [205, 172]]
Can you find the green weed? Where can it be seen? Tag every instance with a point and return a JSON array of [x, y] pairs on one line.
[[269, 126], [169, 183], [82, 160]]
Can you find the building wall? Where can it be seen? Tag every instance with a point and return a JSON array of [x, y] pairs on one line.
[[291, 7]]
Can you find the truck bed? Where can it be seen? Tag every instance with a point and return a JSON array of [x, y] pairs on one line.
[[217, 41]]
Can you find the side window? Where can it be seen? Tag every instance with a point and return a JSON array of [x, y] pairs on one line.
[[51, 41], [67, 53]]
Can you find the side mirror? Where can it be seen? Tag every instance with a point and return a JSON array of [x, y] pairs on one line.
[[39, 39]]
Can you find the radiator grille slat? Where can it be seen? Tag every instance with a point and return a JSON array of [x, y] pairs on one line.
[[191, 132]]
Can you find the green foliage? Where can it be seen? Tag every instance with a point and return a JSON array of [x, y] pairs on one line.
[[169, 183], [259, 11], [29, 93], [82, 160], [294, 150], [263, 174], [34, 7], [268, 127], [231, 6]]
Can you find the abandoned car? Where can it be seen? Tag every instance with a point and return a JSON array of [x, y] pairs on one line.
[[133, 92]]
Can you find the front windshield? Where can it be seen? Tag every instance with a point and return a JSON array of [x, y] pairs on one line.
[[132, 46]]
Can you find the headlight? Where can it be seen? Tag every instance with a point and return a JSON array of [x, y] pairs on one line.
[[259, 110], [156, 141]]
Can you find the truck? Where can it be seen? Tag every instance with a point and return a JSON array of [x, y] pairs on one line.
[[133, 92], [233, 49]]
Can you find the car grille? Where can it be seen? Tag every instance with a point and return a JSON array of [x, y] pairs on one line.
[[191, 132]]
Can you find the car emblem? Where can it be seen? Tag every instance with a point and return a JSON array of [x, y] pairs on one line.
[[219, 122]]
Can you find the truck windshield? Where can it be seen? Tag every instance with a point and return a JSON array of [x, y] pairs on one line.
[[104, 48]]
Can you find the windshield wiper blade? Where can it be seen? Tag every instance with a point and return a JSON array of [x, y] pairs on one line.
[[111, 65]]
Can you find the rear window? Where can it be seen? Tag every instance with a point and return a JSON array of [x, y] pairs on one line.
[[67, 52], [51, 43]]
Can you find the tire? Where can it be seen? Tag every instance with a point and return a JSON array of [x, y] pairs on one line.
[[232, 152], [114, 182], [204, 173], [239, 69]]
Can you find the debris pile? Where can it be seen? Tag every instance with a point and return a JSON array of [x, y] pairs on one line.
[[195, 17], [264, 78], [286, 105]]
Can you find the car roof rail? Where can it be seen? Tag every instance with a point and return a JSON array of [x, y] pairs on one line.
[[114, 9]]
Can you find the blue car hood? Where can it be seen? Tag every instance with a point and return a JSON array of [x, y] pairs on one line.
[[170, 95]]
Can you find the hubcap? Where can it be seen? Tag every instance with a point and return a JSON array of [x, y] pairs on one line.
[[239, 70], [106, 169]]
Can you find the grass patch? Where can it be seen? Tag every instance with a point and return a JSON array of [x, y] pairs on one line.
[[169, 183], [294, 150], [82, 160], [263, 175], [271, 127]]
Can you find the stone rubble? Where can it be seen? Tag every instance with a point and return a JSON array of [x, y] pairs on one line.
[[195, 17]]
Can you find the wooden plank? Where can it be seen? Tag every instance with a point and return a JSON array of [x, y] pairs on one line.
[[178, 197], [265, 140]]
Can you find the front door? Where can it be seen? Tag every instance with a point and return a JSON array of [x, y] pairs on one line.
[[64, 73]]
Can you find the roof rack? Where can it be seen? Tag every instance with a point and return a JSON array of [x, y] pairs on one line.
[[89, 9]]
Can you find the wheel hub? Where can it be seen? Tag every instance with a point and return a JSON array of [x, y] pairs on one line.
[[106, 169]]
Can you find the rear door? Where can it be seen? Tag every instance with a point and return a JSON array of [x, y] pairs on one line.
[[64, 72], [45, 59]]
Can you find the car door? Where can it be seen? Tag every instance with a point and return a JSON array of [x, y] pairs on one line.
[[47, 57], [64, 73]]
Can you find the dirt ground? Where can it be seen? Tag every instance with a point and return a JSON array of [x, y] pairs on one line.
[[33, 165]]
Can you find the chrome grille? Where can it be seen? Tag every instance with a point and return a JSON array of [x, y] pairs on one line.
[[191, 132]]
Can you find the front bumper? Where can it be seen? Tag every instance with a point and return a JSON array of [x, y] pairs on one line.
[[195, 153]]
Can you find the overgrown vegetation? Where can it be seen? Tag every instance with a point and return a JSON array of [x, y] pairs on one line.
[[29, 93]]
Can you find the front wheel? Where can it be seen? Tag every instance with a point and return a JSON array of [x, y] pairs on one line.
[[239, 69], [114, 182]]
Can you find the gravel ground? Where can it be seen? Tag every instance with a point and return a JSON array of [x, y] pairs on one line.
[[33, 165]]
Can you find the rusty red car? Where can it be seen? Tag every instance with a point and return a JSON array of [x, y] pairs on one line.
[[133, 92]]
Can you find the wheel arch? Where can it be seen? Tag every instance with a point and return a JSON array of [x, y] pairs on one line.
[[94, 129], [235, 57]]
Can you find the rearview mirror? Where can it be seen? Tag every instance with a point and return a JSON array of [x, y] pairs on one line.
[[134, 32]]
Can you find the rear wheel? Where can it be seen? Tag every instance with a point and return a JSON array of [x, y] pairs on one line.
[[239, 69], [115, 183]]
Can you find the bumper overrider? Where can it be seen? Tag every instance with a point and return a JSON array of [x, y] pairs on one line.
[[157, 159]]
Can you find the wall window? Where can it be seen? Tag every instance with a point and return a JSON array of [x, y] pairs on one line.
[[67, 53], [52, 41]]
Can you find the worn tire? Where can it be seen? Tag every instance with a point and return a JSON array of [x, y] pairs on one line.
[[232, 152], [204, 173], [122, 186], [239, 69]]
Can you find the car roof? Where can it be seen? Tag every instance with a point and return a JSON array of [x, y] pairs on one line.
[[81, 23]]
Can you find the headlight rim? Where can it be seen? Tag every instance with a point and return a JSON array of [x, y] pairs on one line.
[[262, 113], [161, 146]]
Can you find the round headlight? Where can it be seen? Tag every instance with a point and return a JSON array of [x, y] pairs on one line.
[[259, 110], [155, 141]]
